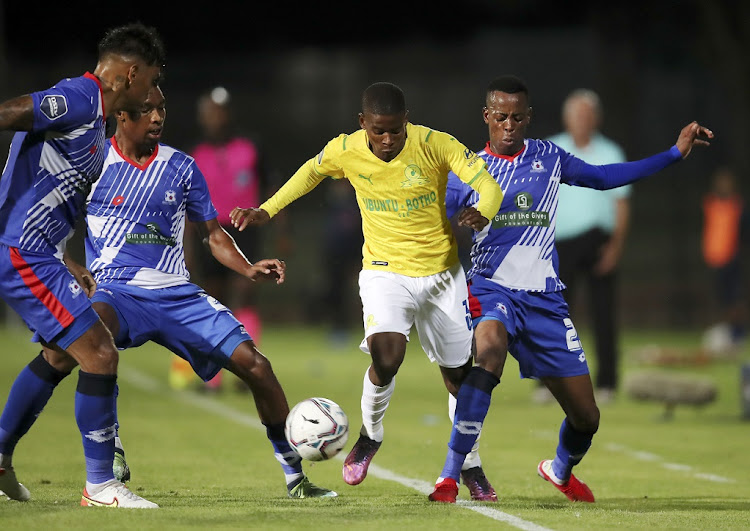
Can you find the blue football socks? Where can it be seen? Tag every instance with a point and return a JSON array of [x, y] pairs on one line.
[[571, 448], [472, 404], [95, 406], [291, 462], [29, 394]]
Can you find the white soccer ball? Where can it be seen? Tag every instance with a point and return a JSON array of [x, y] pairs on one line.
[[317, 429]]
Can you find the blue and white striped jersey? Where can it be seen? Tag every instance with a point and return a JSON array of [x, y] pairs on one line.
[[517, 248], [135, 216], [50, 169]]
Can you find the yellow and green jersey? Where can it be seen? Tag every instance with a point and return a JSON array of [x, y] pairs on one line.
[[402, 202]]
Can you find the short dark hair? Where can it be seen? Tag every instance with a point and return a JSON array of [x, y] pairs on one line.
[[383, 98], [508, 84], [134, 39]]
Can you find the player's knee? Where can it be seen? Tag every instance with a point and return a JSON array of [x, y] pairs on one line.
[[385, 363], [103, 351], [491, 343], [249, 364], [492, 359], [587, 420], [95, 351], [387, 350], [109, 355], [60, 361], [102, 359], [385, 368]]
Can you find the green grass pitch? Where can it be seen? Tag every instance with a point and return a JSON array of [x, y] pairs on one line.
[[206, 461]]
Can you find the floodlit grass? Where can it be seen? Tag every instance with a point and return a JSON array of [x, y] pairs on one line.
[[204, 459]]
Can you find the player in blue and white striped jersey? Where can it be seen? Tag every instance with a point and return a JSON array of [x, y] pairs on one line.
[[514, 288], [136, 214], [56, 154]]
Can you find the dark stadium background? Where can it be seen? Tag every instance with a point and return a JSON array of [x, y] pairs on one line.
[[296, 72]]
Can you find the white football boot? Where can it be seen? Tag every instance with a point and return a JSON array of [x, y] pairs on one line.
[[116, 494], [10, 486]]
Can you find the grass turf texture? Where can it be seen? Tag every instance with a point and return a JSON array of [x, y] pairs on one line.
[[204, 459]]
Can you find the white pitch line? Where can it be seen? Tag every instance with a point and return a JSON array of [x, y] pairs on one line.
[[146, 383], [426, 488], [679, 467]]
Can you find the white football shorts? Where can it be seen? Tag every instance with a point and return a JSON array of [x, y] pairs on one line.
[[437, 305]]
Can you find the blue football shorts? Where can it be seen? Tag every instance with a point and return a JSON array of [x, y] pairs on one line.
[[541, 335], [184, 319], [42, 291]]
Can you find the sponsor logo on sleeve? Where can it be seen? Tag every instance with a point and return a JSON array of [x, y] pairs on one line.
[[54, 106]]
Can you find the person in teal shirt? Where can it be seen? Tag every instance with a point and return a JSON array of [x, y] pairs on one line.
[[590, 235]]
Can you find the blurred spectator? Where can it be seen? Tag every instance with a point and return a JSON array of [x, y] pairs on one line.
[[236, 175], [591, 230], [725, 224], [342, 252]]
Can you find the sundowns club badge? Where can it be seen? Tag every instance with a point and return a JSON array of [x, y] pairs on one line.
[[414, 177]]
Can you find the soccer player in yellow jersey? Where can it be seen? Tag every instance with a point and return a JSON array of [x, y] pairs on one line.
[[411, 275]]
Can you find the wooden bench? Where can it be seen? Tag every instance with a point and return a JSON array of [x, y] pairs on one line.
[[670, 389]]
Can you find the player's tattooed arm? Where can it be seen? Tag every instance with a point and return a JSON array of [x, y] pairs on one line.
[[17, 114]]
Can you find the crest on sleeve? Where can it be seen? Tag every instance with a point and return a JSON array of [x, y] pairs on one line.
[[54, 106]]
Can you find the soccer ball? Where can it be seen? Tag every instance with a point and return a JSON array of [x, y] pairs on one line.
[[317, 429]]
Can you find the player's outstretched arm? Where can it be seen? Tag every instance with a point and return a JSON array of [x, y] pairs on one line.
[[225, 250], [691, 135], [305, 179], [269, 269], [17, 114], [242, 217], [608, 176]]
